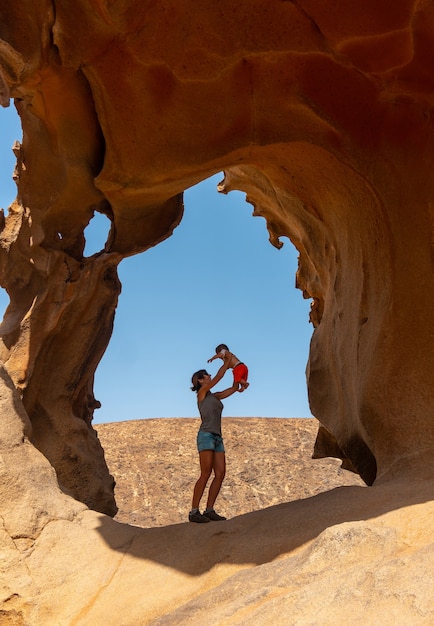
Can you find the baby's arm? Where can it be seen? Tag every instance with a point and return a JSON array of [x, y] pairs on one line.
[[224, 355]]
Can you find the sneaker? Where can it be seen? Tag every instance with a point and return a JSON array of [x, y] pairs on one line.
[[213, 516], [197, 517]]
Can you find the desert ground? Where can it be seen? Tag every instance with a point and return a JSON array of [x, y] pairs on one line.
[[269, 462]]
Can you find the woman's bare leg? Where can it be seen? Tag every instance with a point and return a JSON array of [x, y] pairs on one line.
[[206, 460], [219, 467]]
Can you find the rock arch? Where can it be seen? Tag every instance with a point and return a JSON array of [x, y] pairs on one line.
[[324, 119]]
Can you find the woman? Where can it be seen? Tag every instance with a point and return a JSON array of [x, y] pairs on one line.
[[209, 441]]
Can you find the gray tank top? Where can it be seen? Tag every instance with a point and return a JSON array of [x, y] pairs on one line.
[[210, 410]]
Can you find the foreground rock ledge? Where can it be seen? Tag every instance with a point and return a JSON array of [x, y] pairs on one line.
[[336, 558]]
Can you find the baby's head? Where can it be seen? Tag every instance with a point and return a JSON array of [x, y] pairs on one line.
[[221, 349]]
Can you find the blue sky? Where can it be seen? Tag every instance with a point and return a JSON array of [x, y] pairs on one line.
[[216, 280]]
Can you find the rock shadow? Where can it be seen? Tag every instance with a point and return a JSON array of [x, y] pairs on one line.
[[261, 536]]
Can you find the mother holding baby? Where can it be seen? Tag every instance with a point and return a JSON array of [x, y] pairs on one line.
[[209, 440]]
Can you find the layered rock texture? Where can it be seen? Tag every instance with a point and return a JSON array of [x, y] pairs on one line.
[[322, 113]]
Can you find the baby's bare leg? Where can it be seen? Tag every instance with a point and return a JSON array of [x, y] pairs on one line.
[[244, 384]]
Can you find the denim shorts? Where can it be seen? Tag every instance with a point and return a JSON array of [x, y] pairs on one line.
[[209, 441]]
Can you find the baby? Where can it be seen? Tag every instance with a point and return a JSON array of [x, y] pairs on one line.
[[239, 369]]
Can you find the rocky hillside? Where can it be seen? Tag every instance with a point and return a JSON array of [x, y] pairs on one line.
[[155, 465]]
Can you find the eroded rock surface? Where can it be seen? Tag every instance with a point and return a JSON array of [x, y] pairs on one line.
[[321, 113], [322, 116]]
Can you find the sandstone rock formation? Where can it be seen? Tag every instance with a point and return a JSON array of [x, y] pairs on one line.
[[322, 114]]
